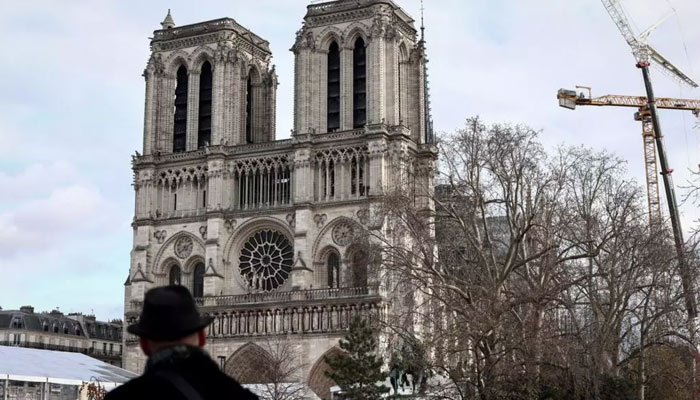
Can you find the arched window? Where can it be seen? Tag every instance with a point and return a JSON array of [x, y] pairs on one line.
[[198, 281], [333, 264], [333, 116], [175, 275], [359, 269], [249, 109], [359, 84], [205, 85], [180, 127], [403, 87]]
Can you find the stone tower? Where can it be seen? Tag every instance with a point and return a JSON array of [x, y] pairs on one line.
[[265, 232]]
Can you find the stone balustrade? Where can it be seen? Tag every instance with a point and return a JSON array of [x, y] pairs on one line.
[[317, 311]]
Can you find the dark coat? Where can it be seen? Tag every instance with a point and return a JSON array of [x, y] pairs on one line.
[[192, 364]]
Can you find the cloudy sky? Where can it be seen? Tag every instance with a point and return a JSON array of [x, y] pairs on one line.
[[71, 110]]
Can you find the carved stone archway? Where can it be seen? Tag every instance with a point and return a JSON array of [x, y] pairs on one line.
[[249, 364], [318, 381]]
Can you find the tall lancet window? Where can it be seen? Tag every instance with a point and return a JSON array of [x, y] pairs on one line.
[[198, 281], [175, 275], [333, 270], [205, 85], [359, 84], [249, 110], [333, 116], [180, 124]]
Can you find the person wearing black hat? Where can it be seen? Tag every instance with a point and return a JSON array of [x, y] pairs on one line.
[[171, 333]]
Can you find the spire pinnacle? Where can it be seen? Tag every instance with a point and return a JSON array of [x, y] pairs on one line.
[[168, 22], [422, 21]]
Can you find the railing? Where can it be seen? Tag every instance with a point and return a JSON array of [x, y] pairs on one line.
[[206, 27], [327, 137], [275, 144], [334, 6], [285, 313], [198, 212], [280, 297]]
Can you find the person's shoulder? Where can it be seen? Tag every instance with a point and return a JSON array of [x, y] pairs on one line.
[[128, 390]]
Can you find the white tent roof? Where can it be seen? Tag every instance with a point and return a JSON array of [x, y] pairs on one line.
[[17, 363]]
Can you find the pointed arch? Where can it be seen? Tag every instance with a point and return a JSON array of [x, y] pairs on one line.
[[249, 364], [167, 250], [329, 35], [318, 381], [356, 30], [317, 250], [176, 60], [201, 55]]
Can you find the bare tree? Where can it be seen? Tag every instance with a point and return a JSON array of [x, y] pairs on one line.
[[536, 271], [284, 372]]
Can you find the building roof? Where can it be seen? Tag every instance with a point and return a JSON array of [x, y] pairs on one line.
[[57, 366], [55, 322]]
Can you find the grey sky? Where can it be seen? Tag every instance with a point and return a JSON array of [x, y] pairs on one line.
[[71, 110]]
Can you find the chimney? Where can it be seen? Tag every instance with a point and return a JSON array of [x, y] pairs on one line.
[[27, 309]]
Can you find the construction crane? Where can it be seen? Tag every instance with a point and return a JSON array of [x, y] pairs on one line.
[[643, 53], [571, 98]]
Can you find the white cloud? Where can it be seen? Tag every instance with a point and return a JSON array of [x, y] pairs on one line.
[[45, 223]]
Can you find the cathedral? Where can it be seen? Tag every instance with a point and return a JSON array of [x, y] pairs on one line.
[[271, 235]]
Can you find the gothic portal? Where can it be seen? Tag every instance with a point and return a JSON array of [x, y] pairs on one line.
[[264, 232]]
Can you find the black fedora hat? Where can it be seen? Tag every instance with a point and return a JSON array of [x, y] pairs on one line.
[[169, 313]]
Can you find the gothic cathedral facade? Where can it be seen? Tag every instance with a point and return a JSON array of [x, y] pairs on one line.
[[264, 232]]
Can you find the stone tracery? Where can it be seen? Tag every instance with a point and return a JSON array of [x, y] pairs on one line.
[[265, 261]]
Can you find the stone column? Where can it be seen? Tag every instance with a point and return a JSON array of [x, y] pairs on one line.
[[237, 103], [375, 80], [346, 88], [391, 83], [217, 100], [193, 110], [167, 113], [149, 112]]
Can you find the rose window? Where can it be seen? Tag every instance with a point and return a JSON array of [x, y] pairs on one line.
[[266, 260]]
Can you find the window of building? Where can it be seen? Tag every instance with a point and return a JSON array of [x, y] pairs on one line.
[[249, 109], [104, 348], [16, 340], [333, 87], [359, 269], [175, 275], [357, 176], [359, 87], [180, 119], [111, 348], [198, 281], [205, 90], [333, 264]]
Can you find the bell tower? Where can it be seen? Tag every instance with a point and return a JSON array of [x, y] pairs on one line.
[[359, 63], [224, 87]]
